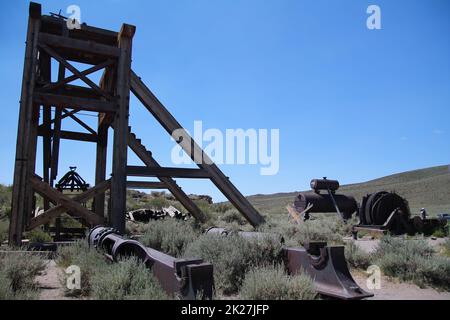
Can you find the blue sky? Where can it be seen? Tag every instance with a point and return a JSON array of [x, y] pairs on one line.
[[351, 103]]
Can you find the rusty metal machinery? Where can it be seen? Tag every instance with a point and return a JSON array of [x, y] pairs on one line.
[[315, 201], [377, 207], [188, 278], [385, 211], [324, 184], [326, 265]]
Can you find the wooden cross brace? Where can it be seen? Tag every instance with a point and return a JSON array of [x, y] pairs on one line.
[[66, 204]]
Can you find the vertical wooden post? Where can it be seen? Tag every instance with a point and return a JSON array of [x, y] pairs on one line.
[[118, 181], [32, 146], [57, 138], [21, 197], [106, 83], [45, 68]]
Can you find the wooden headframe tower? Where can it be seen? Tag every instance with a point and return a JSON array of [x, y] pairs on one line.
[[46, 102]]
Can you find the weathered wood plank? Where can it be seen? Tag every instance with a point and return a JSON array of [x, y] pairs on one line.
[[139, 171], [72, 135], [118, 184], [74, 103], [20, 198], [53, 25], [146, 185], [106, 83], [84, 46]]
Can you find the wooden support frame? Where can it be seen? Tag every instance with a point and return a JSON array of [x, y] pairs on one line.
[[75, 71], [48, 38], [53, 86]]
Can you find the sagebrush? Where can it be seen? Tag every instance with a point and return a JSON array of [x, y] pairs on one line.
[[233, 256], [17, 275], [272, 283], [414, 261]]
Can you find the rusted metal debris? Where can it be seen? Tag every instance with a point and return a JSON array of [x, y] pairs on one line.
[[326, 265], [315, 201], [146, 215], [245, 234], [187, 278]]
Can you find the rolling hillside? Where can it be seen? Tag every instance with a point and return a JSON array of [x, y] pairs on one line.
[[429, 188]]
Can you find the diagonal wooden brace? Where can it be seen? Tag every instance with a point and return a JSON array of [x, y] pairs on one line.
[[75, 71], [52, 86], [65, 203]]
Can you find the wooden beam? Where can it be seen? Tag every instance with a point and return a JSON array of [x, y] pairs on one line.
[[80, 122], [20, 193], [53, 25], [72, 135], [120, 148], [106, 83], [57, 130], [56, 211], [74, 103], [139, 171], [45, 70], [146, 185], [41, 127], [88, 47], [71, 205]]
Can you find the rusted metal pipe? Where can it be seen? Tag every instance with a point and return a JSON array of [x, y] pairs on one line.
[[188, 278]]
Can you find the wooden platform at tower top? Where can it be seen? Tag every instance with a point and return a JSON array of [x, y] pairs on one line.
[[46, 102]]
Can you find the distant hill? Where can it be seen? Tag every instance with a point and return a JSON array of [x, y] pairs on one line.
[[429, 188]]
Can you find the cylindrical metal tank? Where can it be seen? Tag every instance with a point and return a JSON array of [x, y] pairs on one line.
[[323, 203], [324, 184]]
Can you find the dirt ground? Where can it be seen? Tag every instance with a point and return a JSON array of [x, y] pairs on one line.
[[394, 290], [51, 288]]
